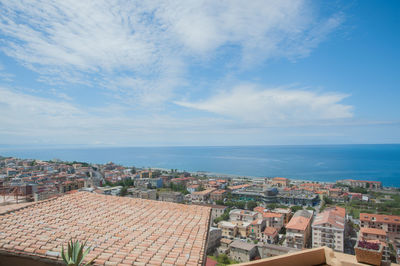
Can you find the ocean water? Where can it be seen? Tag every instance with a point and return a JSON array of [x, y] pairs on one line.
[[315, 162]]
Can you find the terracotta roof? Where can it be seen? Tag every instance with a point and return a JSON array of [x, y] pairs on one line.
[[374, 231], [121, 230], [239, 186], [270, 231], [279, 179], [204, 192], [379, 218], [226, 241], [334, 216], [300, 220]]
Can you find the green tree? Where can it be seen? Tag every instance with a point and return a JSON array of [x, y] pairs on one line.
[[251, 205], [123, 192], [296, 208]]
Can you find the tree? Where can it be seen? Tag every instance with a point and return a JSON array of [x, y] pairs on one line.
[[251, 205], [296, 208], [123, 192], [133, 170]]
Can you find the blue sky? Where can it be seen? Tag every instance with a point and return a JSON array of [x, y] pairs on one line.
[[199, 72]]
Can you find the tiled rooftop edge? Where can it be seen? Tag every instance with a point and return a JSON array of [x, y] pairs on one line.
[[181, 241]]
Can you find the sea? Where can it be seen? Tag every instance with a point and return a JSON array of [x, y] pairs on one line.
[[325, 163]]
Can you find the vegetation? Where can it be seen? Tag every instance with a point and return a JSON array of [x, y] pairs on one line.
[[251, 205], [296, 208], [75, 254], [123, 192], [223, 217], [310, 208], [179, 188], [223, 259]]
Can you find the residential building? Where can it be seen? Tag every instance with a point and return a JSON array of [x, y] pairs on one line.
[[361, 183], [214, 237], [224, 247], [218, 195], [242, 251], [229, 230], [298, 230], [244, 215], [201, 196], [389, 223], [287, 214], [150, 194], [328, 229], [272, 219], [280, 182], [269, 235], [243, 229], [256, 228], [271, 250], [171, 196]]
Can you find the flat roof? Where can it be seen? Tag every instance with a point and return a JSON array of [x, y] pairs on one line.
[[119, 229]]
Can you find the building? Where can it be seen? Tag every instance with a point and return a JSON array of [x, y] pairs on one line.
[[298, 230], [361, 183], [224, 247], [214, 237], [150, 194], [287, 214], [229, 230], [270, 250], [243, 229], [217, 195], [216, 210], [201, 196], [328, 229], [389, 223], [243, 215], [171, 196], [376, 235], [242, 251], [269, 235], [280, 182], [109, 190], [256, 228], [272, 219], [152, 231], [298, 197], [148, 182]]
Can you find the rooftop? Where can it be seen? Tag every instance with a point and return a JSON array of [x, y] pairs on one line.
[[380, 218], [120, 230], [373, 231]]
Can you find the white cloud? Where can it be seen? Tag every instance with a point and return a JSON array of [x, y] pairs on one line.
[[107, 42], [249, 103]]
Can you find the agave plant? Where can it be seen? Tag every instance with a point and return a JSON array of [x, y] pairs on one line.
[[76, 254]]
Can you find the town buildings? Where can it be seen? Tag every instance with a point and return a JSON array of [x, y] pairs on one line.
[[328, 228], [361, 183], [389, 223]]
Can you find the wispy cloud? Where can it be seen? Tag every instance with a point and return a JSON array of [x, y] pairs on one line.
[[150, 44], [250, 103]]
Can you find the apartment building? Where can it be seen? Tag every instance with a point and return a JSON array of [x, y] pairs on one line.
[[244, 215], [280, 182], [328, 229], [389, 223], [361, 183], [229, 230], [269, 235], [256, 228], [272, 219], [201, 196], [242, 251], [218, 195], [298, 230]]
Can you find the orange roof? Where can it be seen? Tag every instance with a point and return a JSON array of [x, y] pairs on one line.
[[219, 192], [379, 218], [141, 231], [334, 216], [298, 223], [270, 231], [373, 231], [279, 179], [239, 186]]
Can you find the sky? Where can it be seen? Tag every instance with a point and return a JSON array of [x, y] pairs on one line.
[[173, 73]]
